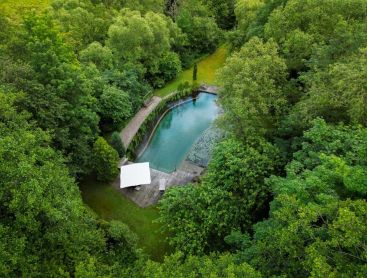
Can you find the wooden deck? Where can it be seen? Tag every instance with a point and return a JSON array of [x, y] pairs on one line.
[[150, 194]]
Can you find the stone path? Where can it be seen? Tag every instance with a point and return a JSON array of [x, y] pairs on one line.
[[128, 133]]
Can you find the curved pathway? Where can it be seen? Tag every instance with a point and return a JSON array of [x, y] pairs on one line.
[[128, 133]]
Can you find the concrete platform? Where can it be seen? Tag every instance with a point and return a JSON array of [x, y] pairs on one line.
[[150, 194]]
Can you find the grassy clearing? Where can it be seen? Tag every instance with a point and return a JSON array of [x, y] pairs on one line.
[[206, 72], [110, 204], [16, 8]]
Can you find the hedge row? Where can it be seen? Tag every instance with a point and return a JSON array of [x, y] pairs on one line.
[[149, 123]]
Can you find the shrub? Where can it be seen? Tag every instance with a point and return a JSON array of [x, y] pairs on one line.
[[105, 160], [116, 143], [115, 105]]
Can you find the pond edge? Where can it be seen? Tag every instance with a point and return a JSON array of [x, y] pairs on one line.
[[135, 148]]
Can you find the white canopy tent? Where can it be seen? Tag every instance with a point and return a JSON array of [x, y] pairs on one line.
[[135, 174]]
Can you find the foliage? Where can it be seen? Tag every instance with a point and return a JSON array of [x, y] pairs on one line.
[[203, 34], [128, 79], [311, 239], [105, 160], [252, 93], [169, 67], [121, 242], [100, 56], [232, 196], [236, 168], [76, 67], [252, 16], [16, 10], [344, 141], [133, 34], [116, 142], [209, 266], [312, 217], [5, 26], [83, 21], [43, 66], [145, 40], [224, 12], [182, 211], [45, 229], [115, 106], [336, 94], [143, 5], [246, 13], [309, 66], [327, 29]]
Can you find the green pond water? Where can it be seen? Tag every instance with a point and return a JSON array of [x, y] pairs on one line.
[[178, 131]]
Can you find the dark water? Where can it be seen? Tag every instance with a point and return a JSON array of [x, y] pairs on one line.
[[178, 131]]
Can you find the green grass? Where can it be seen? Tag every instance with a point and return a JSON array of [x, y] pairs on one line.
[[16, 8], [206, 72], [110, 204]]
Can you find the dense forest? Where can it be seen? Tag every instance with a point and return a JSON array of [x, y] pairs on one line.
[[285, 192]]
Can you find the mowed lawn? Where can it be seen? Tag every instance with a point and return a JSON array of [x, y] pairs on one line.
[[14, 9], [206, 72], [110, 204]]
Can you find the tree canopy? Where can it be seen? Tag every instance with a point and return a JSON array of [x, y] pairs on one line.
[[285, 192], [45, 228], [253, 80]]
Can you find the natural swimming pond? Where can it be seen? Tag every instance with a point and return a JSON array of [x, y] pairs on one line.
[[179, 129]]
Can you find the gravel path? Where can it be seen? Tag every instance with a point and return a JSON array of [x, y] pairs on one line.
[[128, 133]]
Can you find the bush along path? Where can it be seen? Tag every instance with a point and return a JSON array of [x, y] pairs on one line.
[[130, 130]]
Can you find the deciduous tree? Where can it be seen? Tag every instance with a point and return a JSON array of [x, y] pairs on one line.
[[105, 160], [252, 94]]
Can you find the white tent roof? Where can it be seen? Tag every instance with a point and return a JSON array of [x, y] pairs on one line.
[[135, 174]]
